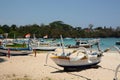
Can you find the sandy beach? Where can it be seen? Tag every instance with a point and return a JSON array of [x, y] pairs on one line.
[[34, 68]]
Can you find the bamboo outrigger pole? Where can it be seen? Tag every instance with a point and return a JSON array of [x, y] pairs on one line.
[[63, 54]]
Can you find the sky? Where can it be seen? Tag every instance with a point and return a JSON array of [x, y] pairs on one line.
[[78, 13]]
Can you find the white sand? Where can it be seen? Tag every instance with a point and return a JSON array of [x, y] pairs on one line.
[[33, 68]]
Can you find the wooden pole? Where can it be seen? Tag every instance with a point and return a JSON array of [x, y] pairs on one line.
[[8, 53], [35, 52]]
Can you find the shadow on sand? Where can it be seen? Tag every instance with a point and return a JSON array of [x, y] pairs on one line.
[[2, 60], [109, 69], [75, 70]]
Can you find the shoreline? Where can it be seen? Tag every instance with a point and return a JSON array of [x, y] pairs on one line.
[[33, 68]]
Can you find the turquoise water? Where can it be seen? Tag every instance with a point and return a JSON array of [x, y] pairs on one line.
[[104, 42]]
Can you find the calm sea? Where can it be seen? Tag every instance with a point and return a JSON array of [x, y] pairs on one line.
[[104, 42]]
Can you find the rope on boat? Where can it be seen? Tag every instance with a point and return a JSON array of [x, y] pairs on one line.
[[116, 71]]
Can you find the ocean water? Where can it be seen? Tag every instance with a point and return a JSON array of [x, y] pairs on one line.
[[104, 42]]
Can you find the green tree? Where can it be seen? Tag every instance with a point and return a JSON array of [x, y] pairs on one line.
[[6, 28]]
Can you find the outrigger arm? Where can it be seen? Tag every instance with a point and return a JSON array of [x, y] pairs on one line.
[[116, 71]]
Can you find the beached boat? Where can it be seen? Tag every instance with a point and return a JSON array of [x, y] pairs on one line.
[[37, 46], [78, 58], [15, 52], [4, 50], [81, 59]]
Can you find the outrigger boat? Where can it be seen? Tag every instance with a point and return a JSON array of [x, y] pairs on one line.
[[81, 43], [84, 43], [37, 46], [82, 57], [14, 51]]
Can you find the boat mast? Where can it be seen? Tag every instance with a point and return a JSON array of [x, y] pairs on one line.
[[34, 36], [63, 54]]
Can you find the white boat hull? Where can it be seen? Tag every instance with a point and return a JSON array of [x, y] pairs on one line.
[[68, 62]]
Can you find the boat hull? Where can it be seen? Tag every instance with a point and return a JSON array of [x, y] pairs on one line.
[[79, 66], [72, 63], [44, 48], [15, 52], [118, 43], [83, 45]]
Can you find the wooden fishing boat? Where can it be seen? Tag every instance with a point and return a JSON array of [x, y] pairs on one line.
[[78, 58], [14, 51], [40, 47], [80, 43]]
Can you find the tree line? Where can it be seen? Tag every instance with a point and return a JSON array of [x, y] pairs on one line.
[[57, 28]]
